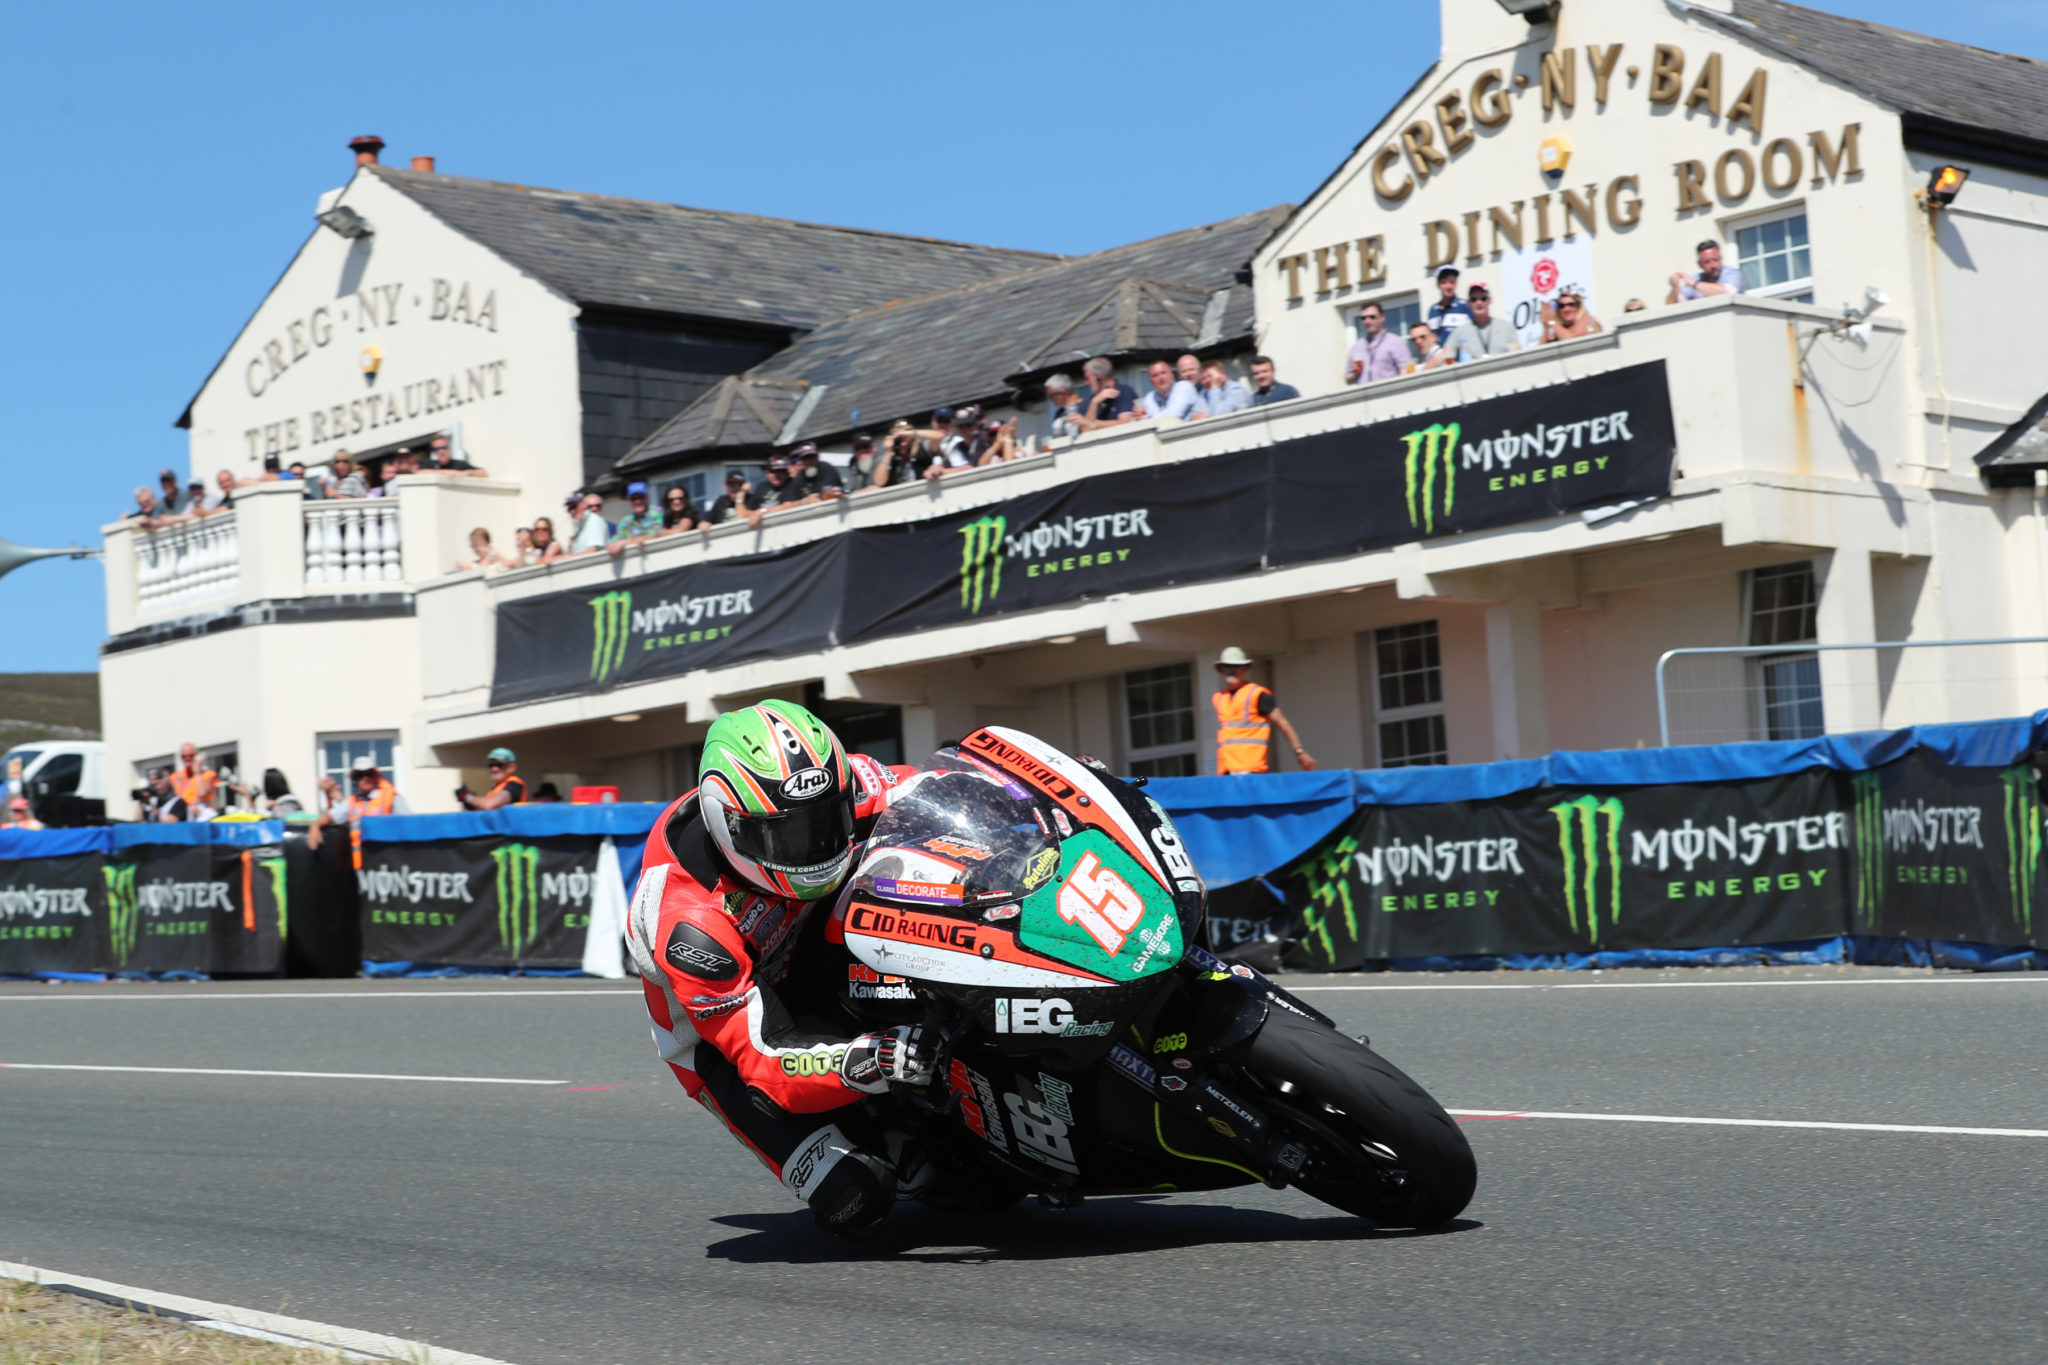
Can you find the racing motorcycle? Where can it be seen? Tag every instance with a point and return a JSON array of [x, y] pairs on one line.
[[1041, 918]]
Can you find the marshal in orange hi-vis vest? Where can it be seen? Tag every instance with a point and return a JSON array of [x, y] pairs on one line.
[[1243, 734]]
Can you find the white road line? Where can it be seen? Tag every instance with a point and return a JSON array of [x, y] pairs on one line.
[[101, 997], [246, 1321], [1754, 1123], [297, 1075], [2033, 978]]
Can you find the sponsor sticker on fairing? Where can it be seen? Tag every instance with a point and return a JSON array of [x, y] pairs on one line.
[[919, 891]]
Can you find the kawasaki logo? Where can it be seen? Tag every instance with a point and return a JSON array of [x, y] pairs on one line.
[[981, 562], [2022, 840], [1432, 460], [1867, 832], [518, 895], [123, 917], [1588, 834], [610, 615]]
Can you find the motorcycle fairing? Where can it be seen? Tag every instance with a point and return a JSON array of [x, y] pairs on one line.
[[1071, 786], [901, 942]]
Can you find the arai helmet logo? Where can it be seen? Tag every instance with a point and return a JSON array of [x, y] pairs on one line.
[[804, 785]]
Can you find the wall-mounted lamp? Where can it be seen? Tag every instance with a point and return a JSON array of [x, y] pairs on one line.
[[1944, 185], [372, 360], [344, 221], [1534, 11]]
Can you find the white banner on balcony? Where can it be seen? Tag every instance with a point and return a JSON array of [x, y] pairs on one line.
[[1524, 280]]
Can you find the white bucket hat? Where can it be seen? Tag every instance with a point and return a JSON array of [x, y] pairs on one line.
[[1233, 657]]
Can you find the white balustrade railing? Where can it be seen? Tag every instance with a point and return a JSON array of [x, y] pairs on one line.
[[352, 542], [185, 562]]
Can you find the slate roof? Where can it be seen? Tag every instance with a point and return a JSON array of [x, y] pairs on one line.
[[652, 257], [1941, 87], [974, 343], [738, 412]]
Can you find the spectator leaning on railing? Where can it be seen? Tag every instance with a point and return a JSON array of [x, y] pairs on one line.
[[1449, 312], [148, 513], [1378, 354], [441, 460], [1266, 386], [1220, 394], [1485, 335], [678, 512], [1110, 401], [349, 481], [1712, 278], [546, 549], [1171, 395], [591, 530], [1568, 318], [816, 479], [173, 499], [736, 502], [638, 526], [1428, 353], [1062, 407]]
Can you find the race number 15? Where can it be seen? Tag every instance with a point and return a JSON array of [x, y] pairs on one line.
[[1101, 902]]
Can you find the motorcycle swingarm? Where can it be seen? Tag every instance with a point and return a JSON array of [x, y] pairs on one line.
[[1191, 1091]]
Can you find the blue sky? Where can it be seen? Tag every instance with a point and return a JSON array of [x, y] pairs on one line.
[[163, 163]]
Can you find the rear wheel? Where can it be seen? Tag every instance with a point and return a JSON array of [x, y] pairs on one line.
[[1378, 1145]]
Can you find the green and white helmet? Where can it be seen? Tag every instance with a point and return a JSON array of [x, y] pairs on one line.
[[778, 797]]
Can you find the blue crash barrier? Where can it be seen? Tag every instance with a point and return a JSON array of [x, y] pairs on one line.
[[1237, 828]]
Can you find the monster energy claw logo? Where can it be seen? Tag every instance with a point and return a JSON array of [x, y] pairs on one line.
[[518, 896], [123, 921], [2022, 840], [1327, 877], [981, 562], [1431, 462], [610, 615], [1867, 826], [1588, 834]]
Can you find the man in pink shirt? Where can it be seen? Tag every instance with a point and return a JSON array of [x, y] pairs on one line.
[[1379, 354]]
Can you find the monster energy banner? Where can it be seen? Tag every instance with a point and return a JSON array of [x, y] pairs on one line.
[[1142, 528], [1915, 849], [1496, 462], [1594, 441], [150, 908], [478, 902], [701, 616]]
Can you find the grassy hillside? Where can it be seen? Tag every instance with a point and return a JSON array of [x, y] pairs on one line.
[[48, 706]]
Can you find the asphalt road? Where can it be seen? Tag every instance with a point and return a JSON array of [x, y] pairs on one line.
[[605, 1219]]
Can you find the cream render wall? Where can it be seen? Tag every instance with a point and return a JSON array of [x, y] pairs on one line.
[[1858, 223], [465, 337]]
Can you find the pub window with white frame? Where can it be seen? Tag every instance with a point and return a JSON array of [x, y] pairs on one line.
[[1159, 721], [338, 752], [1408, 694], [1784, 609], [1776, 259], [1403, 311]]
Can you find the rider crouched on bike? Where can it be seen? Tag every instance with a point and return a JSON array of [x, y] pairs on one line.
[[722, 932]]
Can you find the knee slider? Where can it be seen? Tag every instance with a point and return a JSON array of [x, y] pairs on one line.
[[848, 1190]]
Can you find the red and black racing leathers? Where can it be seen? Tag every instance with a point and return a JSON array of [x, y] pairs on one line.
[[711, 953]]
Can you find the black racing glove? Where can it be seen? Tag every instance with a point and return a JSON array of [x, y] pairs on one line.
[[873, 1060]]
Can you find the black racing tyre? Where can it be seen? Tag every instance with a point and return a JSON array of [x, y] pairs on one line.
[[1378, 1145]]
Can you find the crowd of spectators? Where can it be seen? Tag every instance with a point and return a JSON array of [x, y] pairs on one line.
[[1461, 329], [342, 477]]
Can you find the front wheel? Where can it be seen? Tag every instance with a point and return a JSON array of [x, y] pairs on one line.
[[1378, 1145]]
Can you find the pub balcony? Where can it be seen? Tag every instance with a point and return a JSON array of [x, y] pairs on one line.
[[1771, 421], [274, 545]]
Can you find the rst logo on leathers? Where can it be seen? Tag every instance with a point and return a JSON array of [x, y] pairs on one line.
[[691, 950]]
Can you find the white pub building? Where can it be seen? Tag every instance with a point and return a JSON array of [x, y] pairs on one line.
[[1850, 450]]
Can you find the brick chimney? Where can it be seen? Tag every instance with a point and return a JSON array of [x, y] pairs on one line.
[[366, 149], [423, 163]]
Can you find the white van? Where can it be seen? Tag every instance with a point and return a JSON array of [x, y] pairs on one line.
[[65, 780]]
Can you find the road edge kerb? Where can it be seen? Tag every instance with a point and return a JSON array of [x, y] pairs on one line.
[[200, 1311]]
